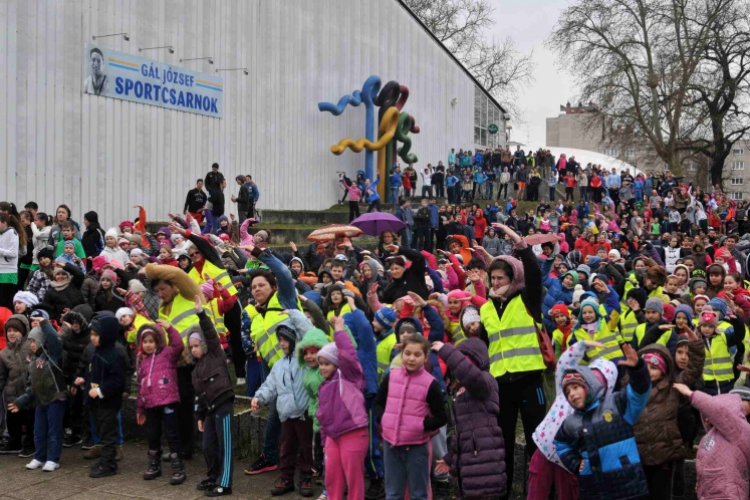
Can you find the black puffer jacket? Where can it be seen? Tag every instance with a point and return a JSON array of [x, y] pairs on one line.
[[476, 452], [75, 343], [55, 301], [107, 369], [211, 380]]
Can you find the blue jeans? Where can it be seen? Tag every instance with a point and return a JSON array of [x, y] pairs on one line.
[[407, 466], [48, 426], [95, 436], [394, 195], [273, 427], [253, 375], [373, 461]]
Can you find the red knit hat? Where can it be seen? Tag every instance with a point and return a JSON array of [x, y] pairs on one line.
[[559, 309]]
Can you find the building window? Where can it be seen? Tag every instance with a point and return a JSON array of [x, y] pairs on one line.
[[630, 153], [737, 181], [735, 195], [691, 166], [485, 114], [610, 152], [738, 165], [738, 151]]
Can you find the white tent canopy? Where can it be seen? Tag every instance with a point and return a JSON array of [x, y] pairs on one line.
[[585, 157]]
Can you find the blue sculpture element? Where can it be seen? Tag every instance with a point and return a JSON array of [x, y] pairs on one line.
[[369, 92]]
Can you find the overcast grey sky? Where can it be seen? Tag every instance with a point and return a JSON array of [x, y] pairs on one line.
[[530, 22]]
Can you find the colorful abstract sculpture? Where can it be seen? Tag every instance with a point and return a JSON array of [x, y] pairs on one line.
[[394, 126]]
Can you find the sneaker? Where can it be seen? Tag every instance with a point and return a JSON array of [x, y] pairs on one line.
[[305, 486], [87, 445], [206, 484], [71, 441], [282, 487], [98, 470], [26, 453], [34, 464], [7, 449], [50, 466], [218, 491], [93, 453], [260, 466], [240, 381], [376, 490]]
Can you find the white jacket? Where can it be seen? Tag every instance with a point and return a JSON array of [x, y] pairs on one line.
[[40, 239], [115, 253], [9, 252]]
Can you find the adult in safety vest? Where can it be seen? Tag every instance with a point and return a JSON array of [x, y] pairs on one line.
[[633, 313], [207, 265], [511, 317], [273, 293], [174, 288]]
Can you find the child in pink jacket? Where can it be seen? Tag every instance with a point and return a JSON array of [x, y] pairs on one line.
[[158, 395], [724, 453], [342, 416]]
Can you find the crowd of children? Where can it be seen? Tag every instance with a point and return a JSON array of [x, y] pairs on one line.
[[394, 371]]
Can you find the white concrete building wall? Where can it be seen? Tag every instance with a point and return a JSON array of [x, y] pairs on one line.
[[95, 153]]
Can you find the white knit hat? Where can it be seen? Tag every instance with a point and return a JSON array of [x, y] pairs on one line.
[[578, 291], [111, 232]]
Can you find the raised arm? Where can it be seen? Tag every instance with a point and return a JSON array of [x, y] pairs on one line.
[[286, 292]]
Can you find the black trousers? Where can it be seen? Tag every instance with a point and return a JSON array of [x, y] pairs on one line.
[[375, 205], [167, 415], [353, 210], [74, 414], [233, 322], [217, 444], [105, 422], [14, 423], [525, 395], [186, 408], [660, 479]]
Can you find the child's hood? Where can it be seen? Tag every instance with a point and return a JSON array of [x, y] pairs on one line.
[[476, 350], [108, 328], [410, 319], [313, 338], [192, 331], [608, 369], [297, 259], [24, 321], [159, 336], [594, 388]]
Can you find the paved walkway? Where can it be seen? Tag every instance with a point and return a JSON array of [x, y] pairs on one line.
[[72, 481]]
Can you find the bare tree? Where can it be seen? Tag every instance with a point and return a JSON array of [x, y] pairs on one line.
[[719, 95], [636, 60], [462, 25]]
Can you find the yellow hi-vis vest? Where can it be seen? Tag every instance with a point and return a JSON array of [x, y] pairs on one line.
[[138, 322], [216, 274], [610, 339], [266, 342], [718, 364], [640, 332], [628, 324], [383, 353], [217, 317], [182, 315], [513, 340], [344, 310], [457, 333]]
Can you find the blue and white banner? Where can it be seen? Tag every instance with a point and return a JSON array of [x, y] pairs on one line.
[[109, 73]]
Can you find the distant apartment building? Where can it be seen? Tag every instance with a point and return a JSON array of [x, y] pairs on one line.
[[578, 127]]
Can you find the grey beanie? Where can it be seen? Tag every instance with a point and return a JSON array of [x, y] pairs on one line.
[[655, 305], [743, 392], [583, 268]]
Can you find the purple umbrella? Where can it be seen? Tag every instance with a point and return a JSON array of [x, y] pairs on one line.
[[376, 223]]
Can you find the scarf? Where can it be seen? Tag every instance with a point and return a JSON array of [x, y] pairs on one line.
[[60, 285], [500, 293]]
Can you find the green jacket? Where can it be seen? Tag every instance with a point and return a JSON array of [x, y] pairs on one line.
[[312, 378]]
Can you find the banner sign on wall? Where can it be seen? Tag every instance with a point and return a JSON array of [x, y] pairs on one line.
[[109, 73]]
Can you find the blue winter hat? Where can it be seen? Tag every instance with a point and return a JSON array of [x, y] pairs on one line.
[[719, 305], [589, 302], [386, 317], [594, 262], [686, 310]]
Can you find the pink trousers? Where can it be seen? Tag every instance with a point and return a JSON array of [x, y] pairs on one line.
[[543, 473], [345, 464]]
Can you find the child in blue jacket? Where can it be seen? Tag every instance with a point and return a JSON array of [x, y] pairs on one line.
[[597, 442]]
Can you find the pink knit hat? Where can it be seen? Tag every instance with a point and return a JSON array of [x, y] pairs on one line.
[[208, 289], [657, 360], [99, 262]]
